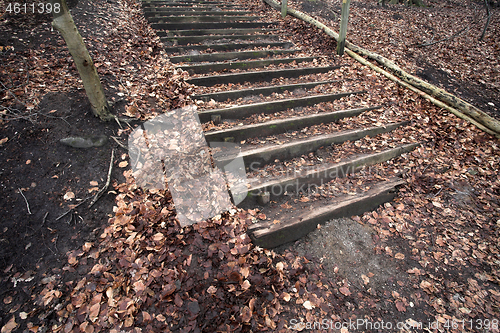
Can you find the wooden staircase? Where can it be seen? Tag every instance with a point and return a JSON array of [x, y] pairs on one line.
[[236, 57]]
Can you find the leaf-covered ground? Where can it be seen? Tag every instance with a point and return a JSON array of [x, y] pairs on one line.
[[128, 266]]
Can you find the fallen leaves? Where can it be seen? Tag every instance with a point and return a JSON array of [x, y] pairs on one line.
[[69, 196], [10, 326], [345, 291]]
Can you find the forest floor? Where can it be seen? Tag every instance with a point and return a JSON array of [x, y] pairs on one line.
[[430, 257]]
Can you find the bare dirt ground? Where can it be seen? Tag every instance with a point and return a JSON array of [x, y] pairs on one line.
[[432, 256]]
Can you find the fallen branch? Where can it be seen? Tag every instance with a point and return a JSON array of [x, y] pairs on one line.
[[460, 105], [420, 93], [105, 187]]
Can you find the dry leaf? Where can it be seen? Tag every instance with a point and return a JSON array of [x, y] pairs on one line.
[[345, 291], [308, 305], [69, 195], [11, 325], [4, 140], [211, 290], [122, 164], [437, 204], [94, 183], [245, 285], [400, 306], [93, 189], [365, 278], [246, 314]]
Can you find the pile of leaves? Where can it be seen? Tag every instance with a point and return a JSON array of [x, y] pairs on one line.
[[148, 272]]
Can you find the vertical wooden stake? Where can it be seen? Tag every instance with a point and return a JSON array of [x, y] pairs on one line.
[[343, 27], [284, 4]]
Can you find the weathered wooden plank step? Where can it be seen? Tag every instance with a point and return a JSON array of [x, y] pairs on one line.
[[187, 7], [213, 57], [265, 91], [259, 75], [200, 19], [258, 157], [185, 3], [297, 224], [279, 126], [243, 111], [165, 12], [213, 32], [226, 47], [249, 64], [322, 173], [210, 25], [185, 40]]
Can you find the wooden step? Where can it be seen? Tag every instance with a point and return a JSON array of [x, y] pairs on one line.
[[212, 25], [167, 12], [243, 111], [201, 32], [185, 40], [297, 224], [227, 47], [259, 75], [200, 19], [279, 126], [249, 64], [265, 91], [148, 3], [259, 157], [214, 57], [322, 174]]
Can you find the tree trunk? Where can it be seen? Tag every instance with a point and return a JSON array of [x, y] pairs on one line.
[[63, 22], [469, 110]]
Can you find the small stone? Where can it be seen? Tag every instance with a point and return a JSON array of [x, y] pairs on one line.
[[85, 142]]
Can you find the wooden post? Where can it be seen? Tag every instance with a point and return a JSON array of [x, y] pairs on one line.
[[284, 4], [343, 27]]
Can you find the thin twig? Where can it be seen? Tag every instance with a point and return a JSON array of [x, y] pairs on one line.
[[126, 89], [27, 204], [105, 187], [63, 215], [13, 95], [445, 39], [44, 218], [118, 142]]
